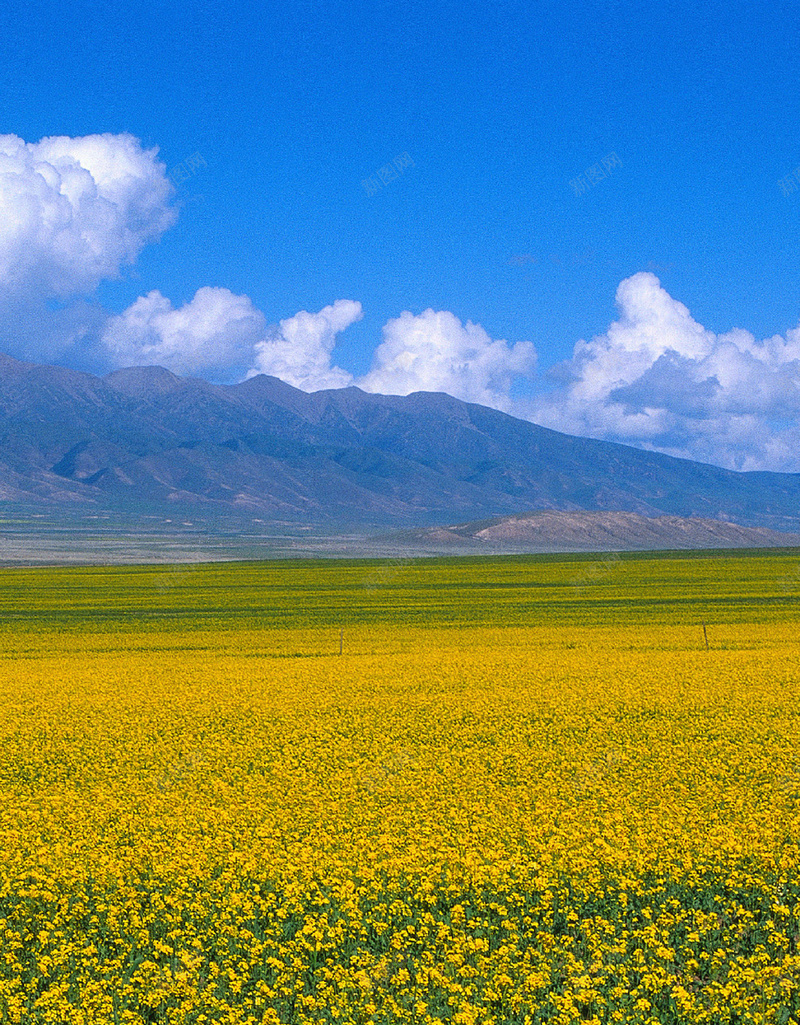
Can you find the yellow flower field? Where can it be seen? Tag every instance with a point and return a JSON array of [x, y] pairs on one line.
[[484, 821]]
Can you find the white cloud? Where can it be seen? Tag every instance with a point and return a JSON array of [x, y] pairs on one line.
[[73, 212], [436, 352], [214, 335], [76, 211], [658, 379], [299, 349]]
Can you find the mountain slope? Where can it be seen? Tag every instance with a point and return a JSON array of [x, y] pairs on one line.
[[143, 436]]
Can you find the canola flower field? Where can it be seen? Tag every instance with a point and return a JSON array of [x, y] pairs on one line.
[[524, 792]]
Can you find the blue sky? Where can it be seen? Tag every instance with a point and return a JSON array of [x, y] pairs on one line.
[[497, 123]]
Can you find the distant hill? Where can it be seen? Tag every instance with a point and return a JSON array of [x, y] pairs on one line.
[[594, 532], [145, 439]]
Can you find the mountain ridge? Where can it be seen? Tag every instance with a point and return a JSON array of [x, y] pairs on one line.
[[146, 437]]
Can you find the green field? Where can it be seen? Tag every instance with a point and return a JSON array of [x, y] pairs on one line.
[[754, 586]]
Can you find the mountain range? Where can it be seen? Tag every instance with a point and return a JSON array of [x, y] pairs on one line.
[[143, 438]]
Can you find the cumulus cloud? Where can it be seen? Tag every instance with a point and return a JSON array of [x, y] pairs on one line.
[[299, 349], [214, 335], [658, 379], [76, 211], [434, 351], [73, 212]]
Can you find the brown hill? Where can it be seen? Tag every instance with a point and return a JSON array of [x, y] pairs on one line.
[[598, 531]]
